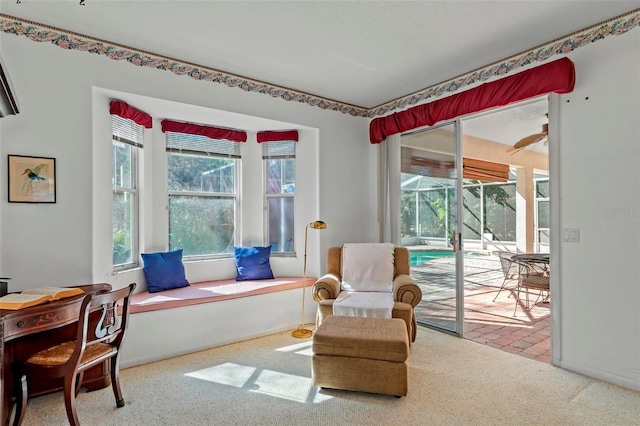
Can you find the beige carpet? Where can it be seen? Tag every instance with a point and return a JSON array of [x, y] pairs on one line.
[[267, 381]]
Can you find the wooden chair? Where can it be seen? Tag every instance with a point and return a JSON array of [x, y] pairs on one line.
[[69, 360]]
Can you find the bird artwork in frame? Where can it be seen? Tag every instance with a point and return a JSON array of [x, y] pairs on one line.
[[32, 179]]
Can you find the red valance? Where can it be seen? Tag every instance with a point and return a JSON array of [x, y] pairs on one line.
[[557, 76], [124, 110], [270, 136], [208, 131]]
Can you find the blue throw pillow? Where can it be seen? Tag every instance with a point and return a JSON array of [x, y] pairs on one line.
[[164, 270], [252, 263]]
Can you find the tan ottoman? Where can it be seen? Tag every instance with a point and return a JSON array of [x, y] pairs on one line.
[[361, 354]]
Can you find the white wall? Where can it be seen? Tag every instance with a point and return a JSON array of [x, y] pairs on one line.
[[55, 244], [596, 181]]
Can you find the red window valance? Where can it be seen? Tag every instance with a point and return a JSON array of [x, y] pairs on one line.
[[557, 76], [208, 131], [124, 110], [273, 136]]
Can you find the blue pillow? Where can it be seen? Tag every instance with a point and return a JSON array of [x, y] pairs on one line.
[[164, 270], [252, 263]]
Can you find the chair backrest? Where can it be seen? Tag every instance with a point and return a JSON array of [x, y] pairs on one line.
[[506, 261], [111, 309], [400, 261]]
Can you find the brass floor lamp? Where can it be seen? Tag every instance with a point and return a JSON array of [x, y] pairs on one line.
[[301, 332]]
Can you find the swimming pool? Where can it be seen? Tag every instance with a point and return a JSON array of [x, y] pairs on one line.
[[418, 257]]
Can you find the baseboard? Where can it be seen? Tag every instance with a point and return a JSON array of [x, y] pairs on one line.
[[615, 379]]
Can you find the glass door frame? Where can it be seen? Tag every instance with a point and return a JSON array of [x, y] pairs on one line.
[[457, 328], [460, 226]]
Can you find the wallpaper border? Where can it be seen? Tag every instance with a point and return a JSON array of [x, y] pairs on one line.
[[73, 41]]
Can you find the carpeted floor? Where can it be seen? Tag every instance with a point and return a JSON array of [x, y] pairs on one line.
[[267, 381]]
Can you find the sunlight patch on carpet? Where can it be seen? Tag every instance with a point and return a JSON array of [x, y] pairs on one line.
[[267, 382], [226, 374], [299, 348], [288, 386]]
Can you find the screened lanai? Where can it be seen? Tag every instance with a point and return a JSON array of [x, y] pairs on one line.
[[489, 212]]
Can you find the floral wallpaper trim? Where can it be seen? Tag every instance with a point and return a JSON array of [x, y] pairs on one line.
[[560, 46], [74, 41]]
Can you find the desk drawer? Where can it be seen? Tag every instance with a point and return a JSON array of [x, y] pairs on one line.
[[35, 319]]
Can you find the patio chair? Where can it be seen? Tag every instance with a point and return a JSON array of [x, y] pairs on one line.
[[536, 283], [534, 276], [510, 270]]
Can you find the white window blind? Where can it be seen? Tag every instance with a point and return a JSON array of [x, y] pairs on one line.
[[195, 144]]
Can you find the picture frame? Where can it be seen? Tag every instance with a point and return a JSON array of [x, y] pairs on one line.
[[31, 179]]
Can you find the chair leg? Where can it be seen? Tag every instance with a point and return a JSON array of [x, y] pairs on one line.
[[504, 282], [70, 398], [79, 380], [115, 380], [22, 395], [517, 294]]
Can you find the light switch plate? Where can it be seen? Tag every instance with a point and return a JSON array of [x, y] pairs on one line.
[[571, 235]]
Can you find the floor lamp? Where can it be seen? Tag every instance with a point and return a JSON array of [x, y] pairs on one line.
[[301, 332]]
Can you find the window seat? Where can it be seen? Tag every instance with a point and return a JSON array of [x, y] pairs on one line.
[[212, 291]]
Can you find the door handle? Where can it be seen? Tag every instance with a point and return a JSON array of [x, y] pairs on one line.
[[453, 240]]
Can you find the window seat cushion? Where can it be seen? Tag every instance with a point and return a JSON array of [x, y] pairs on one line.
[[212, 291]]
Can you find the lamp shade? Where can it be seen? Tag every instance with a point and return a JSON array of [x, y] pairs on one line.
[[318, 224]]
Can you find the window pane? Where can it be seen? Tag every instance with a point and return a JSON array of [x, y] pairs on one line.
[[201, 225], [123, 227], [500, 211], [281, 175], [408, 226], [198, 173], [542, 189], [472, 212], [432, 208], [280, 211], [543, 214], [122, 162]]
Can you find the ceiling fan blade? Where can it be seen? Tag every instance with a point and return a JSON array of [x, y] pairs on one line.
[[528, 140]]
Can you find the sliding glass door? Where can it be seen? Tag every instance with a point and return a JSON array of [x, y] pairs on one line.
[[429, 193]]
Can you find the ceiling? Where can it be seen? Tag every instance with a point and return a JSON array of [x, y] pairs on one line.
[[363, 53]]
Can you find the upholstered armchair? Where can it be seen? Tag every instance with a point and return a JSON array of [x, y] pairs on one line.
[[405, 292]]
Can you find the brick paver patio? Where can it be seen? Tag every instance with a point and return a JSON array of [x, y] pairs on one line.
[[526, 333]]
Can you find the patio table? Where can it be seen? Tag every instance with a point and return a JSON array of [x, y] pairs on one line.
[[532, 258]]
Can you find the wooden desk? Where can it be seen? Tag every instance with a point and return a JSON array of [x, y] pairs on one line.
[[24, 332]]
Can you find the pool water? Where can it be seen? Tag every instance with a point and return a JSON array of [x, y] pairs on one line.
[[418, 257]]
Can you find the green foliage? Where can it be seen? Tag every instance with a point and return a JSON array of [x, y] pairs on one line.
[[201, 225], [121, 247], [200, 173]]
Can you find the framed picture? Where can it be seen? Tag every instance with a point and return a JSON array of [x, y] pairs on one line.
[[32, 179]]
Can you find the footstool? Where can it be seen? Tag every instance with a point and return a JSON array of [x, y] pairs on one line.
[[361, 354]]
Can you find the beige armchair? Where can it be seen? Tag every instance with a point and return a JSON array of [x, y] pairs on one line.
[[406, 293]]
